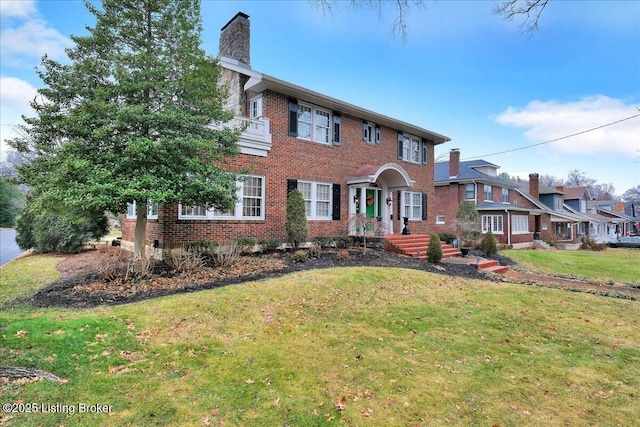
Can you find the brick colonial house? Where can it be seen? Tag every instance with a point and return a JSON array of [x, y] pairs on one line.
[[343, 158]]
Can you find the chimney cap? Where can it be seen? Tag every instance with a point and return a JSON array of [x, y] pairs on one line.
[[239, 14]]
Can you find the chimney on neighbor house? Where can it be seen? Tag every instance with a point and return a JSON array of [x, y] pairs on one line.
[[534, 185], [454, 162], [234, 39], [560, 188]]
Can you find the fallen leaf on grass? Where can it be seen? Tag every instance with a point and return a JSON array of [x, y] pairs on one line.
[[603, 394], [340, 404]]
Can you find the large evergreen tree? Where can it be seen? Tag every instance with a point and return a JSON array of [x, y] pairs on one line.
[[129, 118]]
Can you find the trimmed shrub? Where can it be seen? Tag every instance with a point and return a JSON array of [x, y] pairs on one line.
[[489, 245], [246, 244], [322, 241], [296, 222], [434, 251], [343, 241], [269, 245]]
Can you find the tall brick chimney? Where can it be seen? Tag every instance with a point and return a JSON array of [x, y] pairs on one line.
[[234, 39], [534, 185], [454, 162]]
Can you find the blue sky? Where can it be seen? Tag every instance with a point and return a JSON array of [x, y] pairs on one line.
[[462, 72]]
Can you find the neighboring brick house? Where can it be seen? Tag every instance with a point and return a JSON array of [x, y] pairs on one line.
[[504, 211], [517, 213], [343, 158]]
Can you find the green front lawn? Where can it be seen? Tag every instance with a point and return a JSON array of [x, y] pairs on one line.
[[355, 346], [618, 265]]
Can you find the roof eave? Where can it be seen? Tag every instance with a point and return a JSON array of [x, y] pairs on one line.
[[277, 85]]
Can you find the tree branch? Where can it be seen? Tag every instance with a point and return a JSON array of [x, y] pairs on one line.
[[529, 10]]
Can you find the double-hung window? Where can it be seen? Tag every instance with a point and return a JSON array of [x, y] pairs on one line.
[[505, 195], [371, 132], [470, 192], [492, 223], [250, 202], [317, 197], [411, 148], [314, 124], [412, 205], [488, 193]]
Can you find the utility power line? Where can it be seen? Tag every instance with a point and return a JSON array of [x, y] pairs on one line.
[[553, 140]]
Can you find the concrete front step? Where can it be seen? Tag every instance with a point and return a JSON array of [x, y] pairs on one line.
[[416, 245], [492, 266]]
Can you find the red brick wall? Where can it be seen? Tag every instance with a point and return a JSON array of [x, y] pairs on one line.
[[293, 158]]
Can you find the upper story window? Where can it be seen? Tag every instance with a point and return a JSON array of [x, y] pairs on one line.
[[488, 193], [470, 192], [250, 203], [558, 203], [583, 205], [313, 123], [371, 132], [412, 148], [255, 108], [505, 195]]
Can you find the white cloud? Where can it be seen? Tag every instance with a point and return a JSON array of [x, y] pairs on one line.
[[14, 102], [25, 42], [17, 9], [548, 120]]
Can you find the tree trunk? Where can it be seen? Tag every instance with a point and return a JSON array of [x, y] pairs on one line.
[[16, 373], [141, 230]]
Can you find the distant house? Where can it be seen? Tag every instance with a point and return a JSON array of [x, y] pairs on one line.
[[618, 223], [519, 213], [503, 210], [346, 160]]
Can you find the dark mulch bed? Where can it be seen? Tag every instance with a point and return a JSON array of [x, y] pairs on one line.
[[79, 287]]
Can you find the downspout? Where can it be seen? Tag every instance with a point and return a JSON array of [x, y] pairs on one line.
[[508, 227]]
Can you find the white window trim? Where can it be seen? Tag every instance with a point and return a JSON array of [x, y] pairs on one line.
[[257, 101], [407, 204], [408, 142], [313, 215], [496, 223], [440, 219], [473, 196], [313, 136], [505, 192], [484, 193], [237, 209], [131, 210], [520, 224]]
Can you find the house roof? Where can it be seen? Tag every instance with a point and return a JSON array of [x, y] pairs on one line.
[[495, 206], [470, 171], [259, 82], [572, 193]]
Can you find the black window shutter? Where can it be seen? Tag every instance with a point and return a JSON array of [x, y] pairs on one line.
[[293, 117], [377, 134], [424, 206], [365, 131], [399, 204], [337, 124], [335, 214], [292, 184], [424, 151], [400, 138]]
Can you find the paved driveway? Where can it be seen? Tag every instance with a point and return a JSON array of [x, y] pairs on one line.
[[8, 247]]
